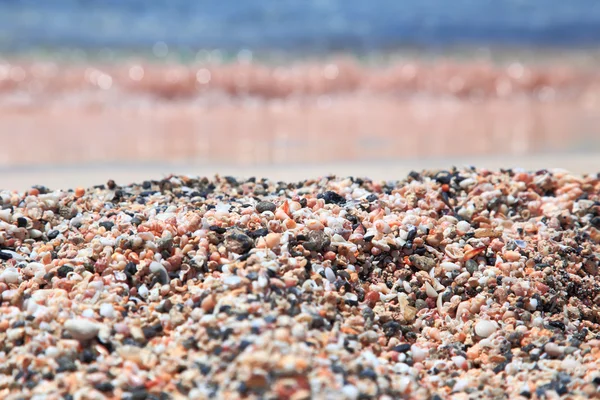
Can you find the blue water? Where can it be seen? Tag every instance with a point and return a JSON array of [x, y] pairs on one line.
[[295, 25]]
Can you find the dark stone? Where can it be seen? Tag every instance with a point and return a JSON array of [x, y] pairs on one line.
[[18, 324], [331, 198], [64, 270], [472, 266], [258, 233], [108, 225], [111, 184], [390, 328], [265, 206], [317, 241], [135, 221], [22, 222], [414, 175], [152, 331], [65, 364], [239, 243], [372, 197], [231, 180], [130, 269], [243, 344], [218, 229], [443, 177], [203, 368], [500, 367], [53, 234], [5, 256], [139, 394], [368, 373], [104, 387], [402, 348], [412, 233], [87, 356], [146, 185], [317, 322], [190, 343], [557, 324]]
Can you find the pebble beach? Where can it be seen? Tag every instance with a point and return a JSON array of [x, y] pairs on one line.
[[447, 284]]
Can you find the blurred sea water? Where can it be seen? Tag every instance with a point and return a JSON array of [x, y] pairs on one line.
[[293, 26]]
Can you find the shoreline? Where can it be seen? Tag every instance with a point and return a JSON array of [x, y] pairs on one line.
[[72, 176]]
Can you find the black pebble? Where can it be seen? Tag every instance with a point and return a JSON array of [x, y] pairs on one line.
[[557, 324], [390, 328], [22, 222], [231, 180], [64, 270], [218, 229], [53, 234], [104, 387], [402, 348], [130, 269], [204, 369], [108, 225], [65, 364], [265, 206], [140, 394], [18, 324], [258, 233], [88, 356], [332, 197], [152, 331], [5, 256], [372, 197], [368, 373]]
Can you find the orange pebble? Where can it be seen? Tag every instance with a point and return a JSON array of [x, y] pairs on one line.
[[372, 298], [79, 192]]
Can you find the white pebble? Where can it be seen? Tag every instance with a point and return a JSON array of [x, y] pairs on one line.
[[485, 328], [463, 227], [569, 364], [143, 291], [448, 266], [107, 310], [553, 350], [10, 275], [232, 280], [533, 303], [52, 352], [329, 275], [82, 329], [459, 361], [418, 354], [430, 291], [460, 385], [5, 215], [350, 392]]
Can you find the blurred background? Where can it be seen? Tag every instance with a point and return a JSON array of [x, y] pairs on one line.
[[294, 89]]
